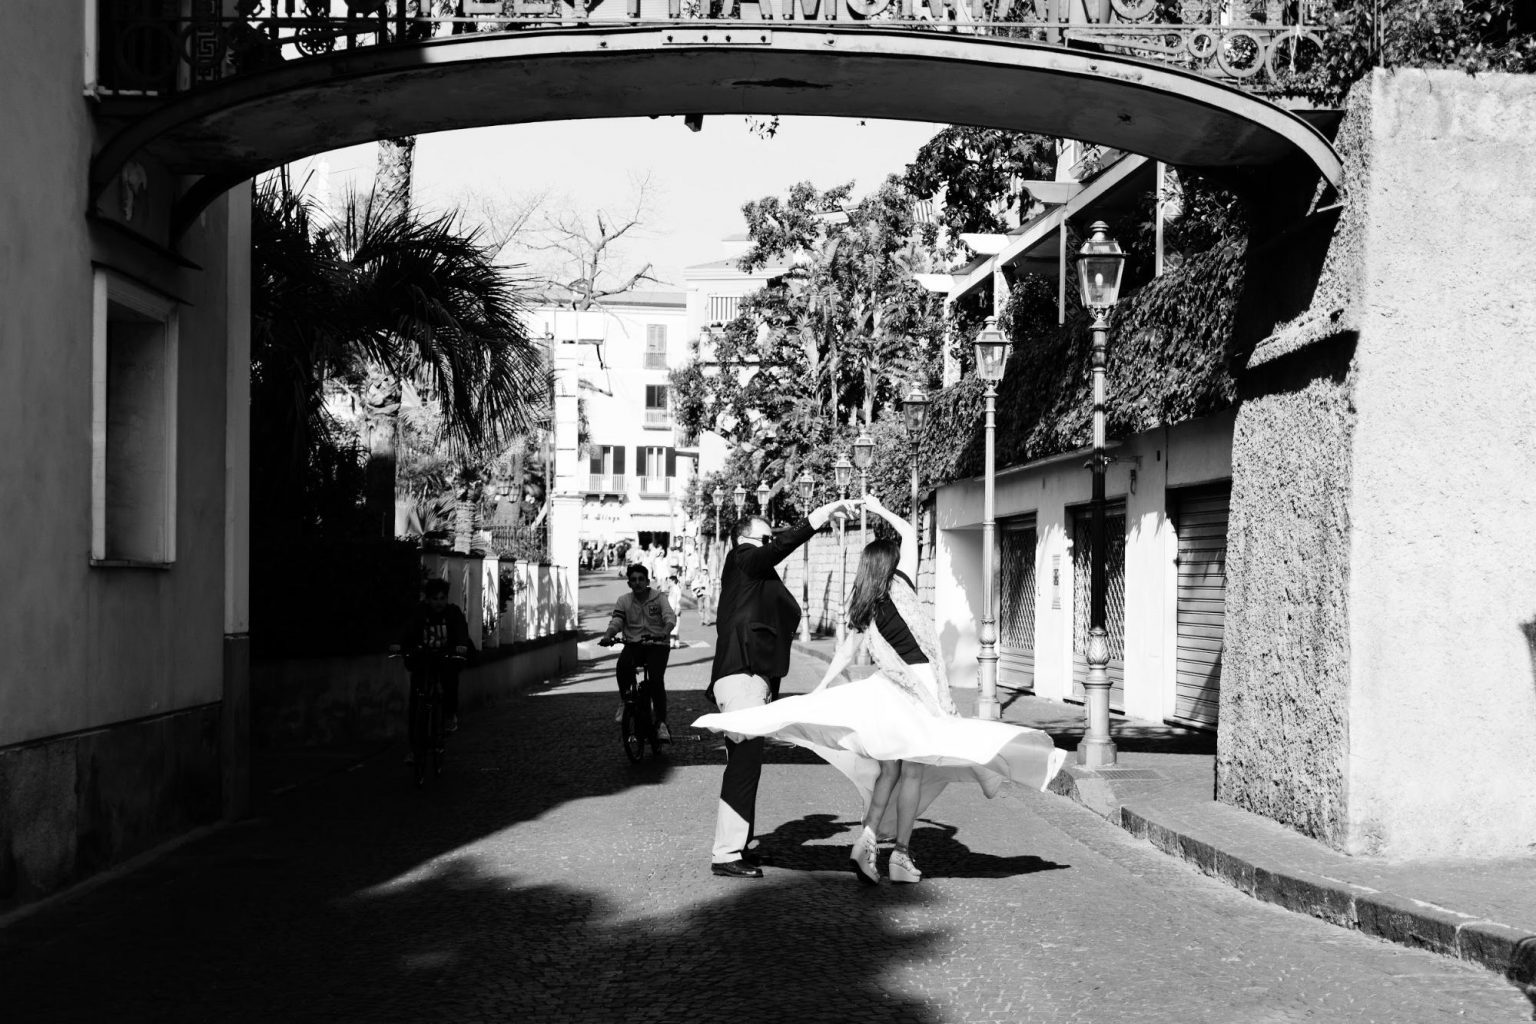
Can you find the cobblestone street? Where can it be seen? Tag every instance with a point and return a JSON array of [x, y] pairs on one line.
[[545, 879]]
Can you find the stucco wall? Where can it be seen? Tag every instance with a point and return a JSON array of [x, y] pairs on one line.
[[1382, 689], [112, 678], [1444, 585], [155, 635]]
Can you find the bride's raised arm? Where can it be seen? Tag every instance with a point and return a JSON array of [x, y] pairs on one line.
[[904, 530]]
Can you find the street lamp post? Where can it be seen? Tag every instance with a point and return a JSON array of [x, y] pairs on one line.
[[992, 349], [718, 497], [915, 411], [863, 452], [762, 499], [806, 485], [716, 554], [1100, 263], [842, 474]]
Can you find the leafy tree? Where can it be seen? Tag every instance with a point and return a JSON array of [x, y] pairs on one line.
[[1470, 35], [830, 344], [980, 172]]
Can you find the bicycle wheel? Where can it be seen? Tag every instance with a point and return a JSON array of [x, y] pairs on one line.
[[629, 730]]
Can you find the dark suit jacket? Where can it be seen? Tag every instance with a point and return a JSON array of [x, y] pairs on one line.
[[757, 616]]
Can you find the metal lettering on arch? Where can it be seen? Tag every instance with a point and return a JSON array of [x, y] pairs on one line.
[[1261, 45]]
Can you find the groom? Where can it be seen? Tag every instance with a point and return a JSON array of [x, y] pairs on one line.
[[755, 624]]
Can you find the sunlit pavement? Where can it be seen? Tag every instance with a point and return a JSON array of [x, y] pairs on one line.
[[546, 879]]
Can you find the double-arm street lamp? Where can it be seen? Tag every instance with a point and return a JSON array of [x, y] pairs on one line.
[[992, 350], [842, 474], [806, 485], [1100, 263], [915, 411]]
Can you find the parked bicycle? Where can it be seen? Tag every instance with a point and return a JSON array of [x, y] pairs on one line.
[[427, 722]]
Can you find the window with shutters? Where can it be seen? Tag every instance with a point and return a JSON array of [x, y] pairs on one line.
[[658, 415], [656, 346], [606, 469], [657, 465]]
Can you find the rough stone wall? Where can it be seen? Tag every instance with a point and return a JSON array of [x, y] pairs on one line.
[[1283, 746], [1283, 741], [826, 559]]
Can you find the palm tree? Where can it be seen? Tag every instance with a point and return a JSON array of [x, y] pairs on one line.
[[434, 310], [381, 297]]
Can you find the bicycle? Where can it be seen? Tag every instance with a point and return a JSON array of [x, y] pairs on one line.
[[426, 728], [636, 727]]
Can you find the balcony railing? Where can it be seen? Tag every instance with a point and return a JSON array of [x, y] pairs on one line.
[[151, 47], [658, 419], [656, 485], [607, 483]]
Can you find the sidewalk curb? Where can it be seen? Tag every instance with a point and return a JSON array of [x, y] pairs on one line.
[[1386, 915], [1396, 918]]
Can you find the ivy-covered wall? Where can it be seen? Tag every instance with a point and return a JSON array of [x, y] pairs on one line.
[[1174, 347]]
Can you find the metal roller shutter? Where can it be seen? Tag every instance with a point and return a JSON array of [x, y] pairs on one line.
[[1201, 524], [1016, 612]]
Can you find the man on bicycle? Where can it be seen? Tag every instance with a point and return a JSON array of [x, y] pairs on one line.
[[438, 630], [644, 614]]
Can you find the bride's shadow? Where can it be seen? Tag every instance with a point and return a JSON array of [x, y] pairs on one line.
[[798, 846]]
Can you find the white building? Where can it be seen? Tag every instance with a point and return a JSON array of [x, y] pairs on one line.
[[625, 351], [715, 292]]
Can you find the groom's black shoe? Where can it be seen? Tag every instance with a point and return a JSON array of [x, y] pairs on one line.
[[737, 869]]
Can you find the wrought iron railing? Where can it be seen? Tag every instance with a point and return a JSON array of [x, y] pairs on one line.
[[523, 543], [160, 47]]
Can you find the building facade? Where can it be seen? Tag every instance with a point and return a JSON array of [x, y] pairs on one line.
[[637, 473]]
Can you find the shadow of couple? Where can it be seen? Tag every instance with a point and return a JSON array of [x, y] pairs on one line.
[[800, 846]]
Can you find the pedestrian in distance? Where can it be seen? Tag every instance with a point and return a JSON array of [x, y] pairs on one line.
[[641, 614], [755, 624], [896, 734]]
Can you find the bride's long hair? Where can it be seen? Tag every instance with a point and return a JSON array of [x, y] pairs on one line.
[[876, 567]]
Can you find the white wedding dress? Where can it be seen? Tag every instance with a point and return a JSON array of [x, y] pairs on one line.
[[894, 715]]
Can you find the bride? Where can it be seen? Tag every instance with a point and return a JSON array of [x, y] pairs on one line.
[[895, 734]]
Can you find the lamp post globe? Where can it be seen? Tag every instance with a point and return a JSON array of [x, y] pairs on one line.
[[1100, 264], [842, 474], [993, 348], [762, 498]]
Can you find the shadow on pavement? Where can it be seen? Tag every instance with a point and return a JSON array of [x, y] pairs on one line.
[[797, 846], [465, 943]]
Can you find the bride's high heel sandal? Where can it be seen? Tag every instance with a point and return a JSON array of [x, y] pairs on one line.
[[901, 868], [863, 857]]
